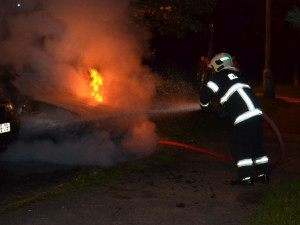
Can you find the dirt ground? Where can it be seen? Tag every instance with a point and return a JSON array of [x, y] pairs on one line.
[[194, 189]]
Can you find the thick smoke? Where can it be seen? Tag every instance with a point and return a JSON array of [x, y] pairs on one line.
[[50, 45]]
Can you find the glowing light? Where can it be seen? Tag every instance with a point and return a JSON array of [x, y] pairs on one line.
[[97, 85], [19, 5], [224, 58]]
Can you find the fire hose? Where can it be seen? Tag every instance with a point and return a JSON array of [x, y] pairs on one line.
[[230, 158]]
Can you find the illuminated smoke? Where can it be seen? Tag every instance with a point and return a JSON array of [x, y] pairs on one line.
[[51, 45]]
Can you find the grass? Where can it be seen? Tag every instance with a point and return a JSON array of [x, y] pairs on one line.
[[280, 205]]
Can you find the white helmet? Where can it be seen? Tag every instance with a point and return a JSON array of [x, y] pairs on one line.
[[221, 61]]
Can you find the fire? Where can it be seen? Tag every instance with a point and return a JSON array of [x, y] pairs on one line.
[[97, 85]]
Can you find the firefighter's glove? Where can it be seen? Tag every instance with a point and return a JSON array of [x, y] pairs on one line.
[[220, 110]]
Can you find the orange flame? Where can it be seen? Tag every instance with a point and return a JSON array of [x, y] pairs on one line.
[[97, 85]]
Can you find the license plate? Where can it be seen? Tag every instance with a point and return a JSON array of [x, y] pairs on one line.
[[4, 128]]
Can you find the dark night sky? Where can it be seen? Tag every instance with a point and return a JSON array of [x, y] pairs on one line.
[[239, 30]]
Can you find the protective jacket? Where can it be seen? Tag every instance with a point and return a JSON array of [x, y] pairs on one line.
[[237, 98]]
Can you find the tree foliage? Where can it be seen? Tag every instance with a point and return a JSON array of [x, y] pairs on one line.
[[174, 17], [293, 17]]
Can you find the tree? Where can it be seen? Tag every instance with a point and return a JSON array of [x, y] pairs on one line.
[[174, 17], [285, 40], [179, 33], [293, 17]]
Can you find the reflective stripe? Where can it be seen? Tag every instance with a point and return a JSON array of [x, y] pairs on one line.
[[232, 76], [261, 160], [247, 115], [239, 88], [213, 86], [230, 68], [261, 175], [244, 162], [246, 178], [246, 99], [204, 105], [231, 90]]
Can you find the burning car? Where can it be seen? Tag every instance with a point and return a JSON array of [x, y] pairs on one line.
[[9, 125], [44, 118], [62, 128]]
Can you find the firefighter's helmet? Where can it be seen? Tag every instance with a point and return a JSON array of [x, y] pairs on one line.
[[221, 61]]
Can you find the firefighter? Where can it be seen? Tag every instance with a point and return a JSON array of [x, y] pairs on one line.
[[238, 101]]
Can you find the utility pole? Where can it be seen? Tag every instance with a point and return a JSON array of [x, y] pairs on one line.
[[210, 41], [268, 83], [210, 48]]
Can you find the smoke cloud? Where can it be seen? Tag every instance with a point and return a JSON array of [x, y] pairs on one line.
[[51, 45]]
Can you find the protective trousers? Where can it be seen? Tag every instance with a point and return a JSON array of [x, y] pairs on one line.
[[247, 149]]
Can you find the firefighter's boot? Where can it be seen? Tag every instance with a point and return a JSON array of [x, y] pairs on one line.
[[247, 181], [263, 178]]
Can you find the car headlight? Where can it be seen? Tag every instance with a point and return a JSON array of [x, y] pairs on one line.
[[9, 107]]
